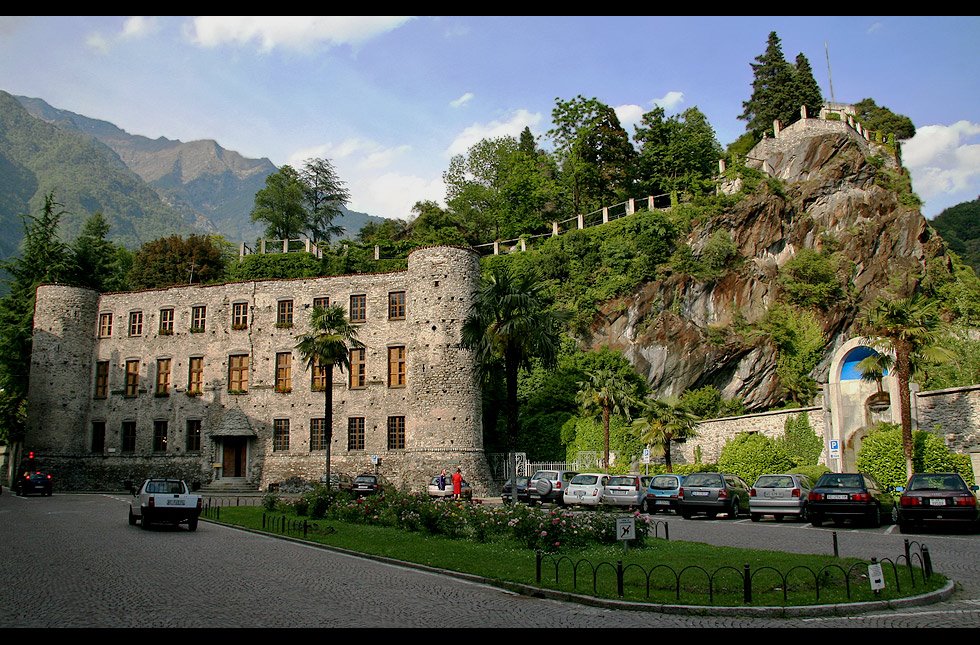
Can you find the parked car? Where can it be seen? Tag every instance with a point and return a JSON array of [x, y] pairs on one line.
[[937, 499], [32, 477], [585, 489], [340, 481], [366, 484], [446, 492], [624, 490], [779, 496], [713, 493], [850, 496], [663, 493], [507, 492], [549, 485]]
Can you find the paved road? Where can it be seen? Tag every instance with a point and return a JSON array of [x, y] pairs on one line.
[[73, 561]]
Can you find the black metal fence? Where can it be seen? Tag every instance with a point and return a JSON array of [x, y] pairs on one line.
[[583, 571]]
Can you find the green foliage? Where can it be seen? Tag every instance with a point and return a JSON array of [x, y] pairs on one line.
[[751, 455], [799, 340], [811, 279], [881, 119], [281, 205], [175, 260], [800, 442], [812, 472], [779, 89], [959, 226], [706, 402], [677, 154], [274, 265], [899, 182], [585, 434], [881, 455], [325, 195]]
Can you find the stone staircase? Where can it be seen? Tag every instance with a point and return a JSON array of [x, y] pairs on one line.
[[229, 486]]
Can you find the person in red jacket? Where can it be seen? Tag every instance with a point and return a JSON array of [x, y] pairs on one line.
[[457, 484]]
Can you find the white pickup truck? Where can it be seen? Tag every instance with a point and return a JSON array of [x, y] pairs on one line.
[[164, 501]]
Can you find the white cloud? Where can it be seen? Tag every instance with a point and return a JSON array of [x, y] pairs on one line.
[[944, 162], [669, 101], [97, 42], [463, 100], [393, 194], [290, 32], [629, 116], [513, 126], [875, 26], [138, 26]]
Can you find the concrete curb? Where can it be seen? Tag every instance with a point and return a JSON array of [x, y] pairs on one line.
[[794, 611]]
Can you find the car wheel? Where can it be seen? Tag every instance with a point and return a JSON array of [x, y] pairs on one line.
[[712, 515], [904, 527], [685, 515], [894, 514], [144, 520], [733, 512], [777, 517], [192, 524], [815, 520], [756, 517], [132, 518], [804, 513], [874, 517]]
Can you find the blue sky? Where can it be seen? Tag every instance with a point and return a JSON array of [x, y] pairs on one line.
[[389, 100]]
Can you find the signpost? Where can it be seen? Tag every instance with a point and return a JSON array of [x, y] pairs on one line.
[[625, 530], [834, 449]]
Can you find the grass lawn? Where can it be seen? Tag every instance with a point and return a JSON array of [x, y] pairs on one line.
[[664, 572]]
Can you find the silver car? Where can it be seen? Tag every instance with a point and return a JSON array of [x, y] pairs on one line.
[[781, 496], [624, 490]]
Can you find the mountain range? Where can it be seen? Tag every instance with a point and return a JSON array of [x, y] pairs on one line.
[[146, 188]]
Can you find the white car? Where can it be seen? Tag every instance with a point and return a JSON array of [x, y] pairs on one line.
[[164, 501], [585, 489], [625, 490]]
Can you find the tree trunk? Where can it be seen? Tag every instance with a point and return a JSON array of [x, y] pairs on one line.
[[605, 436], [670, 467], [510, 376], [328, 420], [903, 372]]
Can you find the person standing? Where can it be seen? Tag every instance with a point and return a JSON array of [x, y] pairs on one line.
[[457, 484], [442, 480]]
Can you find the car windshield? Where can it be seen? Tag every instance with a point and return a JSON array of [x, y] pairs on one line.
[[545, 474], [937, 482], [165, 488], [365, 479], [663, 482], [704, 479], [585, 480], [841, 480], [775, 481], [623, 481]]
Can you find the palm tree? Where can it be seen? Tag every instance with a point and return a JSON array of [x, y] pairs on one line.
[[329, 342], [875, 367], [663, 421], [605, 393], [510, 321], [910, 328]]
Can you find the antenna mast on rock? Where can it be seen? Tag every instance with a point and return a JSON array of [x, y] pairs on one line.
[[829, 79]]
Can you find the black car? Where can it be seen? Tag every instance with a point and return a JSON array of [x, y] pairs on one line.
[[367, 485], [937, 499], [507, 492], [713, 493], [850, 496], [32, 478]]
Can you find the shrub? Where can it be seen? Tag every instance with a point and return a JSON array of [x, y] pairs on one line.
[[800, 442], [270, 502], [751, 455], [882, 457]]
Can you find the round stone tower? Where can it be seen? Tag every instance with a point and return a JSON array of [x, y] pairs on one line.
[[445, 427], [61, 378]]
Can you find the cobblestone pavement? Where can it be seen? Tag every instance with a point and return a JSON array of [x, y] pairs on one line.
[[73, 561]]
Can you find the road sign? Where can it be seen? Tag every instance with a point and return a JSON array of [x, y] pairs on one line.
[[625, 528], [374, 459], [834, 448], [646, 455]]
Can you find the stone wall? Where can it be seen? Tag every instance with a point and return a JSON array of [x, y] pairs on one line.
[[713, 433], [440, 401], [957, 413]]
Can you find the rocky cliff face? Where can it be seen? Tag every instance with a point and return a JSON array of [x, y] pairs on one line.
[[829, 196]]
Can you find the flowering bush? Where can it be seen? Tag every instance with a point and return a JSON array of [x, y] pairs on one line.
[[535, 528]]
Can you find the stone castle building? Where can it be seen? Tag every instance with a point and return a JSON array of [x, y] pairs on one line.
[[206, 383]]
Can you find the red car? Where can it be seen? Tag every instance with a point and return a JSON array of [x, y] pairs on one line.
[[937, 499]]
